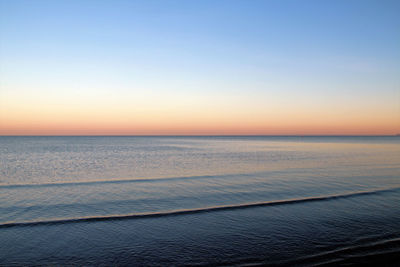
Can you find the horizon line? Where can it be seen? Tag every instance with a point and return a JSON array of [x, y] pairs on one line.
[[205, 135]]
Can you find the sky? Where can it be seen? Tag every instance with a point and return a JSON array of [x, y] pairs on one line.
[[273, 67]]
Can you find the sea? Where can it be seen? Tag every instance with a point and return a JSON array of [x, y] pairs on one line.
[[199, 200]]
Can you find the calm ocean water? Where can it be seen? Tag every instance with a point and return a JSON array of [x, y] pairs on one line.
[[199, 200]]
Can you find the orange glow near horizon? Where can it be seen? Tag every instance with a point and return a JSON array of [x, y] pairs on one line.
[[193, 122], [143, 113], [190, 114]]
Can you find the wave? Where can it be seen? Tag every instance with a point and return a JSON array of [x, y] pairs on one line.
[[383, 252], [354, 254], [198, 210], [143, 180], [121, 181]]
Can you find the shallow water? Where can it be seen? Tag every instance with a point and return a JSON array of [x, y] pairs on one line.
[[199, 200]]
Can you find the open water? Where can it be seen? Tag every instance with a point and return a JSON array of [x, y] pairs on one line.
[[160, 201]]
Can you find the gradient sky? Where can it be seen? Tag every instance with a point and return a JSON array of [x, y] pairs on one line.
[[199, 67]]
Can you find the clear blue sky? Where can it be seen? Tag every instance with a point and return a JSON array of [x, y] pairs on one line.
[[270, 59]]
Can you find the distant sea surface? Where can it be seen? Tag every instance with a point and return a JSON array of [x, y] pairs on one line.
[[162, 201]]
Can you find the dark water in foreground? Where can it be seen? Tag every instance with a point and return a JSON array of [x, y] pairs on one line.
[[199, 200]]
